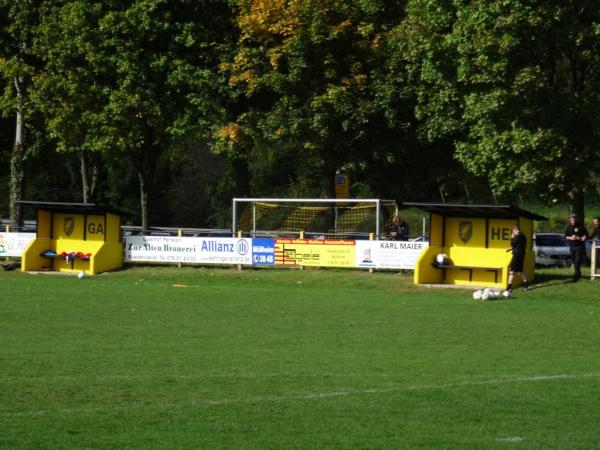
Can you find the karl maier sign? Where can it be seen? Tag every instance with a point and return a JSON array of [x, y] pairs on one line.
[[188, 250], [388, 254]]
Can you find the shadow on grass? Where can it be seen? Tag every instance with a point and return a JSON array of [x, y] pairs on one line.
[[545, 280]]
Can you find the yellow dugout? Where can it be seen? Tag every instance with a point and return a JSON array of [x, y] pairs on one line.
[[468, 243], [74, 237]]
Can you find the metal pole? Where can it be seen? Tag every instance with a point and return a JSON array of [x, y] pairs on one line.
[[594, 260], [239, 235], [335, 221], [253, 219], [8, 231], [234, 218], [179, 234], [378, 207], [307, 200], [370, 238]]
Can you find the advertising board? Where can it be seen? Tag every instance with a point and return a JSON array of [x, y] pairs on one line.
[[198, 250], [263, 251], [388, 254], [315, 252], [278, 252], [13, 244]]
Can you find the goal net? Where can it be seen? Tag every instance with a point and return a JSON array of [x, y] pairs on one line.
[[313, 218]]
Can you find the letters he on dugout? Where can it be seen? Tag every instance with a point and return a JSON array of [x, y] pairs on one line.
[[473, 240], [74, 237]]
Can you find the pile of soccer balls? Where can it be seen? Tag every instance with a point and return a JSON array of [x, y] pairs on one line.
[[490, 294]]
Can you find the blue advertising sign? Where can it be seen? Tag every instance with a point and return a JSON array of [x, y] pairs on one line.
[[263, 252]]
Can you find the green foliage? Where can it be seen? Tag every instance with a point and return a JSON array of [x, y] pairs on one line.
[[129, 81], [18, 65], [191, 185], [426, 100], [311, 72], [517, 84], [558, 215]]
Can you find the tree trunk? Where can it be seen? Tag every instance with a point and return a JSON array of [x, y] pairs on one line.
[[242, 177], [145, 160], [16, 162], [85, 184], [441, 191], [143, 202], [93, 178], [577, 203], [327, 184]]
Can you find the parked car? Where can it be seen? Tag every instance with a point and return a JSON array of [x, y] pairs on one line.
[[551, 249]]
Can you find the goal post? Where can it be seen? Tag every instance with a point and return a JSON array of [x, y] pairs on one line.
[[594, 260], [341, 218]]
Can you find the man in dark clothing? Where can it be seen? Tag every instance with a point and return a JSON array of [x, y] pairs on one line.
[[595, 235], [576, 234], [595, 231], [400, 230], [518, 244]]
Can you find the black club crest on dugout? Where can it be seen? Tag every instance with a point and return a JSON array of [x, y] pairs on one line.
[[465, 231], [68, 225]]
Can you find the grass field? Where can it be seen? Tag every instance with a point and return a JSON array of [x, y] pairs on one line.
[[165, 358]]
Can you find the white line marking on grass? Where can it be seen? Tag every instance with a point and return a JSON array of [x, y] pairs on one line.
[[513, 379], [308, 396], [195, 377], [510, 439]]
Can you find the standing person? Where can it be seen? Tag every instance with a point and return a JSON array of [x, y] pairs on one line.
[[400, 230], [595, 235], [595, 231], [518, 244], [576, 234]]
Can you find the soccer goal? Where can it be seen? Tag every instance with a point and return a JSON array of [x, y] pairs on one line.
[[313, 217]]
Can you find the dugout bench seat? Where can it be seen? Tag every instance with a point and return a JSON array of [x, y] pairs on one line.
[[470, 269]]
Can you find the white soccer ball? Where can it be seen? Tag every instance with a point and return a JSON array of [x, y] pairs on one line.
[[497, 294], [485, 296], [477, 295], [506, 294], [487, 291], [81, 275], [441, 258]]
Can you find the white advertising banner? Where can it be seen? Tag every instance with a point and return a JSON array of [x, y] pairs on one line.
[[389, 254], [199, 250], [14, 244]]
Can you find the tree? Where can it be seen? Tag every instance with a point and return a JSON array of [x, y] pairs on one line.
[[128, 81], [17, 65], [163, 58], [516, 84], [67, 90], [308, 72]]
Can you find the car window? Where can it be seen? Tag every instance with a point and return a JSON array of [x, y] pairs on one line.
[[551, 241]]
